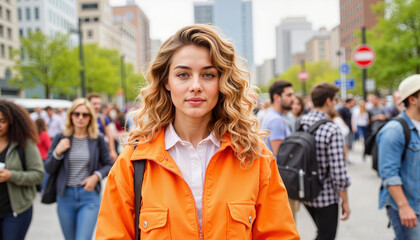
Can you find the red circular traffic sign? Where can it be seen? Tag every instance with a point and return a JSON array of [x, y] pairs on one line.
[[303, 75], [363, 56]]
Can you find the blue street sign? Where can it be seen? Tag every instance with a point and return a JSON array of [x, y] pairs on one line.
[[344, 68], [349, 83]]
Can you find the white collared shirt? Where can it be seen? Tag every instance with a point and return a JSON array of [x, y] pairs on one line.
[[192, 162]]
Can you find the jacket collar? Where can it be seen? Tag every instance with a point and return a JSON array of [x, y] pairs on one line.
[[408, 120], [156, 151]]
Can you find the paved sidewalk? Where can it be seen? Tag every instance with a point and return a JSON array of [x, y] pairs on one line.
[[366, 221]]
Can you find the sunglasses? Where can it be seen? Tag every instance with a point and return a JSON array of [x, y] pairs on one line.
[[77, 114]]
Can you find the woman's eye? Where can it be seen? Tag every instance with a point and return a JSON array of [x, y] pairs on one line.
[[182, 75], [208, 75]]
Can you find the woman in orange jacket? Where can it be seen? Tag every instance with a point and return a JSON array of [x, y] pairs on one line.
[[208, 175]]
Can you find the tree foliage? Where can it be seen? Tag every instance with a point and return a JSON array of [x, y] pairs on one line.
[[46, 61], [396, 40]]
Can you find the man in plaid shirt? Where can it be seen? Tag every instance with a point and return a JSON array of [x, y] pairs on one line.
[[331, 165]]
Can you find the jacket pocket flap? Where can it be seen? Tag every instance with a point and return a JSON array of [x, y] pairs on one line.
[[242, 212], [152, 218]]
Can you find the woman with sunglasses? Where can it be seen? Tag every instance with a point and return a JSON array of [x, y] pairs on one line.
[[208, 174], [80, 158]]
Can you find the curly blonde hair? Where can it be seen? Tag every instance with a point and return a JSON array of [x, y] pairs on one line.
[[92, 128], [233, 111]]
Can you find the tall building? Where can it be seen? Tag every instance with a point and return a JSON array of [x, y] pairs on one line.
[[318, 47], [128, 34], [291, 36], [48, 17], [97, 24], [140, 21], [155, 45], [263, 73], [203, 12], [335, 46], [9, 40], [234, 18], [353, 15]]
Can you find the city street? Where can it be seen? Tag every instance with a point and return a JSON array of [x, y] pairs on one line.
[[366, 221]]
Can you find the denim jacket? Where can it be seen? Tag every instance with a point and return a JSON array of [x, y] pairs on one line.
[[393, 171]]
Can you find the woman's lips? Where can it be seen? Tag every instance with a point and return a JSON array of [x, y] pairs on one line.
[[195, 101]]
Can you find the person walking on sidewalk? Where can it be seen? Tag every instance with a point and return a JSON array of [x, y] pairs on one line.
[[18, 177], [399, 167], [80, 158], [208, 174], [331, 165]]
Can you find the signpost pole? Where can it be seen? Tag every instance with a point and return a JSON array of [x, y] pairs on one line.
[[303, 82], [364, 70], [342, 74]]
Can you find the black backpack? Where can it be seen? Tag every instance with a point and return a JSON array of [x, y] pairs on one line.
[[21, 152], [298, 164], [371, 147]]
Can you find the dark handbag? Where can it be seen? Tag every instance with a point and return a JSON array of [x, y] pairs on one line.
[[50, 191]]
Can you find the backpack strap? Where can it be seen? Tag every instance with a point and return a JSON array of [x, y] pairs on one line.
[[138, 181], [407, 134], [21, 152], [316, 125], [298, 126]]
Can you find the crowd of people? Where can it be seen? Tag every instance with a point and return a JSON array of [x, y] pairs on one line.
[[209, 160]]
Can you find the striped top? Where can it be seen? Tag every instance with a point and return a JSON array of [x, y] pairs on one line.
[[79, 161]]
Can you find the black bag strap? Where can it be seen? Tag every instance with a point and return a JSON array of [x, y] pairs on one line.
[[407, 134], [138, 181], [21, 152], [298, 126], [316, 125]]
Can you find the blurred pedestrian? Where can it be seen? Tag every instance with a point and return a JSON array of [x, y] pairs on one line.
[[208, 174], [399, 165], [360, 121], [54, 123], [297, 110], [80, 158], [103, 123], [18, 176], [43, 144], [332, 171]]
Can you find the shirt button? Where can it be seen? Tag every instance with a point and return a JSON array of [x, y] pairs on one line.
[[250, 219], [145, 224], [196, 162], [198, 191]]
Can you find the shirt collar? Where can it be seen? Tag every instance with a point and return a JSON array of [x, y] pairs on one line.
[[172, 138]]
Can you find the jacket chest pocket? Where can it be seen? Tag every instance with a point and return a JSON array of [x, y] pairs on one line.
[[413, 151], [240, 219], [154, 224]]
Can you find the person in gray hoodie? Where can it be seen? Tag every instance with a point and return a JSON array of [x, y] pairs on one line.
[[21, 169]]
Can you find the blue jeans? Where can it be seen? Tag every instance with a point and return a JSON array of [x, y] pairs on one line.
[[403, 232], [15, 228], [78, 212], [361, 132]]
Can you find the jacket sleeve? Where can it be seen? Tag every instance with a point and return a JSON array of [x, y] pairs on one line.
[[51, 163], [104, 157], [274, 218], [34, 172], [116, 214]]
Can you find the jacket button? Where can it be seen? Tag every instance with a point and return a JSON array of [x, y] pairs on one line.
[[145, 224], [250, 219]]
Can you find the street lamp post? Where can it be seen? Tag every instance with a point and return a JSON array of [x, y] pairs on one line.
[[82, 63]]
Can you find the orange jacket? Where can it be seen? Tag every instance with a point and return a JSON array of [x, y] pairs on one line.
[[238, 203]]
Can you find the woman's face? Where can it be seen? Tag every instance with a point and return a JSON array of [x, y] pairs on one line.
[[193, 83], [4, 125], [80, 117], [296, 106]]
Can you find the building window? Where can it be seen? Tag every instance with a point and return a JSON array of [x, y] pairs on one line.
[[36, 13], [96, 19], [28, 14], [19, 14], [89, 6], [8, 15], [1, 12], [7, 74], [87, 20], [129, 15], [10, 53], [1, 30], [90, 34], [9, 33], [21, 32], [2, 51]]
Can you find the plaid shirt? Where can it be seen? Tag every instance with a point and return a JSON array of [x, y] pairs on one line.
[[330, 154]]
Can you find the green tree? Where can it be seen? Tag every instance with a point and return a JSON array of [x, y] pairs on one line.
[[134, 82], [396, 40], [46, 61]]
